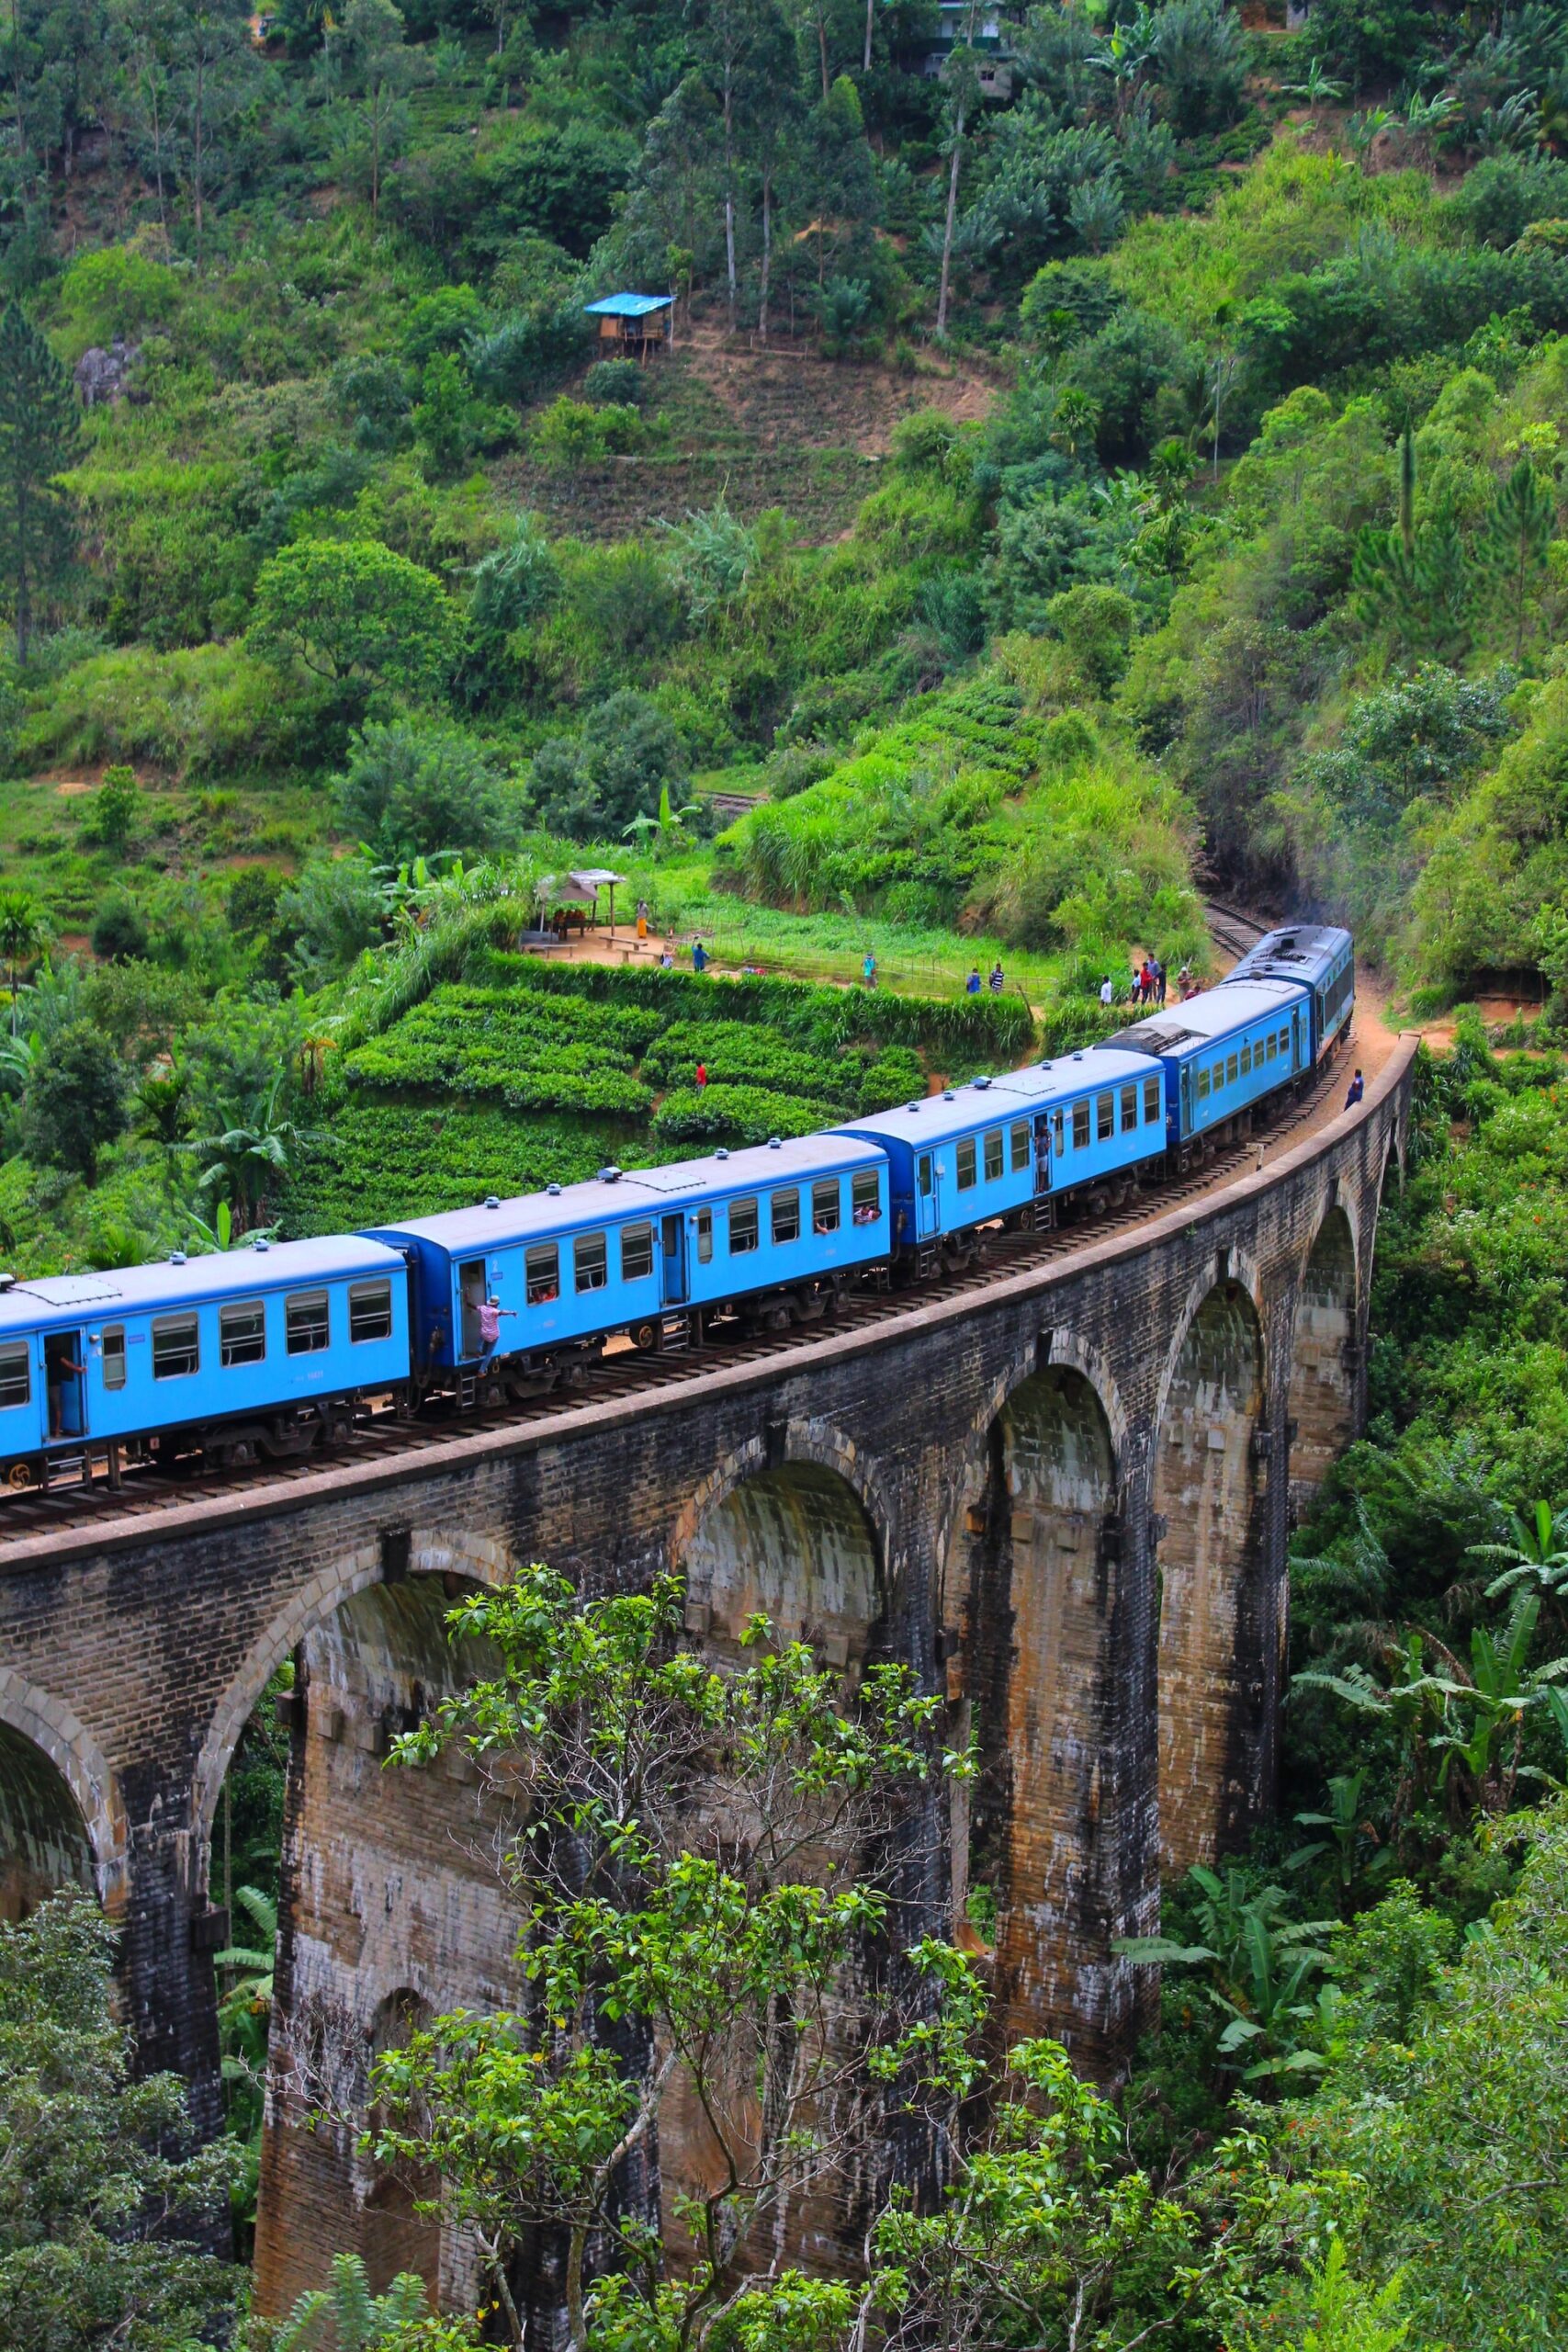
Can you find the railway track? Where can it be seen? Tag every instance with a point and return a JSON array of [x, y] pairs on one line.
[[1232, 929], [147, 1490]]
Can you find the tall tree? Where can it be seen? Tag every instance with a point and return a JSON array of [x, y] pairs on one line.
[[1518, 535], [217, 66], [774, 114], [40, 436], [962, 77], [728, 33], [383, 70]]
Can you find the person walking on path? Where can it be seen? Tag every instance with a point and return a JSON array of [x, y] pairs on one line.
[[868, 969], [699, 956], [1358, 1088], [972, 985], [998, 983], [1106, 992]]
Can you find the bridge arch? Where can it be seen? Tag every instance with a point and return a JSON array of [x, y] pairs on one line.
[[1034, 1576], [1209, 1491], [61, 1798], [798, 1530], [1322, 1404], [475, 1558]]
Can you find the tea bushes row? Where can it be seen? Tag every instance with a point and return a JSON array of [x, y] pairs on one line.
[[737, 1114]]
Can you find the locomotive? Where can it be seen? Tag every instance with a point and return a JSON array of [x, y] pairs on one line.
[[268, 1350]]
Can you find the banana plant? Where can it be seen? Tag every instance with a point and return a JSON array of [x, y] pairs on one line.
[[1501, 1690], [1262, 1966], [1347, 1826], [349, 2318], [1537, 1553]]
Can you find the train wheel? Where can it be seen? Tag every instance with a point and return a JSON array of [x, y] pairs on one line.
[[17, 1476], [645, 1335]]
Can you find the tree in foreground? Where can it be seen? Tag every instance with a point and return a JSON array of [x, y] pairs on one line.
[[709, 1864], [102, 2190], [41, 439]]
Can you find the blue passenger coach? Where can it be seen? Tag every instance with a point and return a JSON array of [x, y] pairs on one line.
[[1010, 1147], [1222, 1054], [246, 1351], [1319, 957], [775, 1228]]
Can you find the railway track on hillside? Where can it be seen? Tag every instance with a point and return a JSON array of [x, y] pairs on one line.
[[147, 1490], [1231, 929]]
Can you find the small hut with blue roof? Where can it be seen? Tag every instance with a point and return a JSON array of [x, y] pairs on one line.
[[635, 324]]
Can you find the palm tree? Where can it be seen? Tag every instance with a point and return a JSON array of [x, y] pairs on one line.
[[22, 934], [242, 1158]]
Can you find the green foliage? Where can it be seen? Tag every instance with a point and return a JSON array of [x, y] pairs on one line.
[[355, 610], [115, 808], [104, 2187], [417, 785], [75, 1102], [40, 440]]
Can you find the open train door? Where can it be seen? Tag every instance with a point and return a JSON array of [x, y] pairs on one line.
[[674, 1257], [928, 1213]]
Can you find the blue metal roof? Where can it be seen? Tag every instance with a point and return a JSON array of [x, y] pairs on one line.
[[637, 1191], [628, 306], [1181, 1029], [962, 1109], [1300, 951], [55, 1299]]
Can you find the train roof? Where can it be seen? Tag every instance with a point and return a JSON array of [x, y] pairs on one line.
[[961, 1109], [605, 1198], [1299, 951], [1178, 1030], [55, 1299]]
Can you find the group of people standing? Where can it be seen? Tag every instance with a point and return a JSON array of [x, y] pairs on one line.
[[997, 983]]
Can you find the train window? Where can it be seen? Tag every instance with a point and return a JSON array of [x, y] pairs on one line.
[[177, 1346], [865, 1196], [1104, 1116], [1080, 1124], [590, 1261], [114, 1356], [17, 1375], [1129, 1107], [1019, 1139], [827, 1203], [993, 1154], [1151, 1098], [704, 1237], [1230, 1070], [1272, 1048], [369, 1311], [1059, 1130], [306, 1323], [924, 1175], [783, 1211], [1247, 1058], [1202, 1084], [241, 1333], [1285, 1043], [742, 1228], [541, 1273], [636, 1252], [966, 1164]]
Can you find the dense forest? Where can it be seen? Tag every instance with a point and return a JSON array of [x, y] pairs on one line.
[[1091, 457]]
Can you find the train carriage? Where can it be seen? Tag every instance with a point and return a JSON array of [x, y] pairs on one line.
[[255, 1351], [1222, 1054], [1319, 957], [775, 1226], [1008, 1148]]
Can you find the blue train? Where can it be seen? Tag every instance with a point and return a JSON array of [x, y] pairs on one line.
[[270, 1350]]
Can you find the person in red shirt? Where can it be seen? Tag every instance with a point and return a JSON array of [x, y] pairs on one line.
[[702, 1076]]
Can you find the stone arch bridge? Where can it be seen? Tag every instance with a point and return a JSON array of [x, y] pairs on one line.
[[1064, 1498]]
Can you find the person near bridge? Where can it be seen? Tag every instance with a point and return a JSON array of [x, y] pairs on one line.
[[1358, 1088]]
